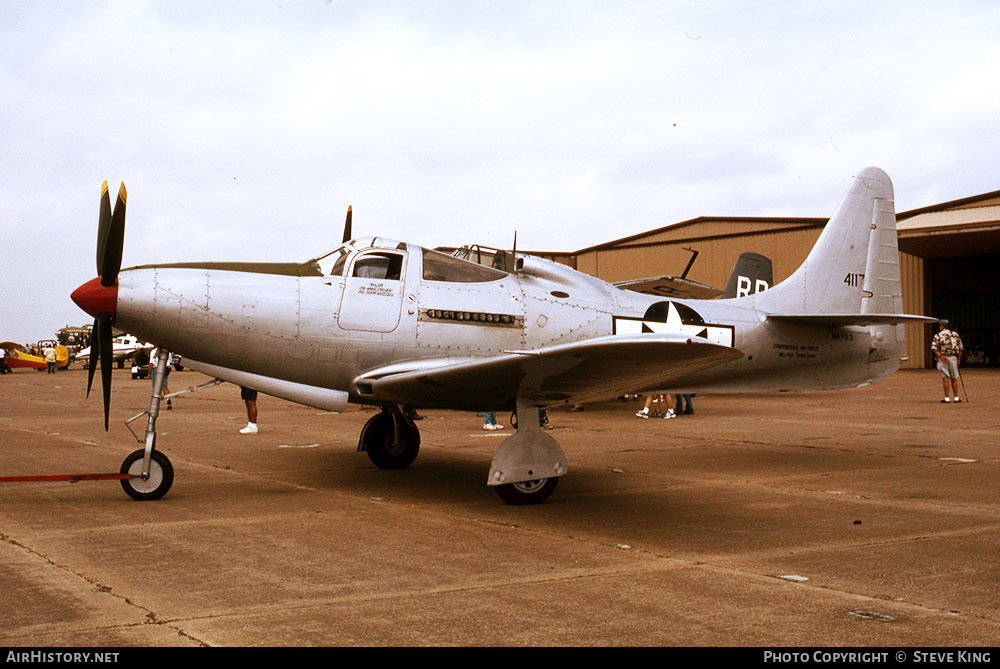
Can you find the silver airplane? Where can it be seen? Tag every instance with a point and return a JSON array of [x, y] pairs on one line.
[[393, 324]]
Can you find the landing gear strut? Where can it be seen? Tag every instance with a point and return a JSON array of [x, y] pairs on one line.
[[390, 438], [152, 473], [147, 473]]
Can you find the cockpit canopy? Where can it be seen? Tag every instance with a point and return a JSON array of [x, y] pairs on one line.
[[442, 267], [381, 258], [484, 255]]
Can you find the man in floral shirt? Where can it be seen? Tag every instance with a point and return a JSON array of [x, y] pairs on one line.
[[947, 348]]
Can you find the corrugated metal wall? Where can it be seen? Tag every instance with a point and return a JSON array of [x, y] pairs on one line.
[[911, 271], [716, 256]]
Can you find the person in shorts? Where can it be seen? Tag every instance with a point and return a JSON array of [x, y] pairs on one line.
[[250, 399], [947, 348]]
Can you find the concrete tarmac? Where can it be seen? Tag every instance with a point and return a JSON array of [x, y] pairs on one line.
[[864, 517]]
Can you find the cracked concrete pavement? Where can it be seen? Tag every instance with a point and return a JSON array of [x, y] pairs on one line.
[[858, 517]]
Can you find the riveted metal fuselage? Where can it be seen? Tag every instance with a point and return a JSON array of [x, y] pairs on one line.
[[325, 329]]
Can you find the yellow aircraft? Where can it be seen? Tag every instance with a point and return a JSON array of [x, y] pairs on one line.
[[18, 357]]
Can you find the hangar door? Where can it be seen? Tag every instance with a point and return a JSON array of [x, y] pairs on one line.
[[964, 290]]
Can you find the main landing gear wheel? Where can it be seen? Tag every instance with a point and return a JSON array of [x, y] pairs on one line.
[[527, 492], [391, 440], [161, 476]]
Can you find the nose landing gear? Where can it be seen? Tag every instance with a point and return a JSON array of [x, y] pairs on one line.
[[151, 473], [147, 473]]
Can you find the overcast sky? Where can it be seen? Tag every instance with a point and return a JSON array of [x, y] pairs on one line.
[[243, 130]]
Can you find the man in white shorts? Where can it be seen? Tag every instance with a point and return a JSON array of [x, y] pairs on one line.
[[947, 348]]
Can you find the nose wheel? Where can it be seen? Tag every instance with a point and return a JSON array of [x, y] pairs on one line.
[[152, 486]]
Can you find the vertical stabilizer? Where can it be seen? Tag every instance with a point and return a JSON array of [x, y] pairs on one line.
[[752, 273], [854, 266]]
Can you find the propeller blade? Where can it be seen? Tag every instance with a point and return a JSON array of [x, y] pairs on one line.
[[115, 241], [92, 363], [347, 226], [515, 267], [103, 223], [110, 241], [106, 362]]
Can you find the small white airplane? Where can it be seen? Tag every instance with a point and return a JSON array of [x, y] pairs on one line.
[[123, 347], [393, 324]]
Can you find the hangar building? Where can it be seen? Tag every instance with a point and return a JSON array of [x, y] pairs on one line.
[[949, 260]]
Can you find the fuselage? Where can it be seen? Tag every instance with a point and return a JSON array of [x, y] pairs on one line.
[[375, 302]]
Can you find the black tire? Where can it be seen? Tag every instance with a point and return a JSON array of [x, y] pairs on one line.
[[161, 476], [527, 492], [383, 449]]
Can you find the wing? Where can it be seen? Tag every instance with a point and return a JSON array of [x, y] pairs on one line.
[[843, 320], [590, 370], [670, 286]]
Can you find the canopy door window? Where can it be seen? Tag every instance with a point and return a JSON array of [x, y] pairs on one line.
[[373, 293]]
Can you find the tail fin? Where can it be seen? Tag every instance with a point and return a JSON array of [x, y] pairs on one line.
[[751, 274], [832, 278], [851, 276]]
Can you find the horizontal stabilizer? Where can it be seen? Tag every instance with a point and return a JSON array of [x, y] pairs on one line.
[[670, 286], [844, 320], [589, 370]]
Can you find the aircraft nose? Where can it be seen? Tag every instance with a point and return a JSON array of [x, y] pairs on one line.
[[95, 298]]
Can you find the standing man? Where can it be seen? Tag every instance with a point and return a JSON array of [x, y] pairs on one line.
[[50, 359], [947, 348], [3, 361], [250, 399]]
